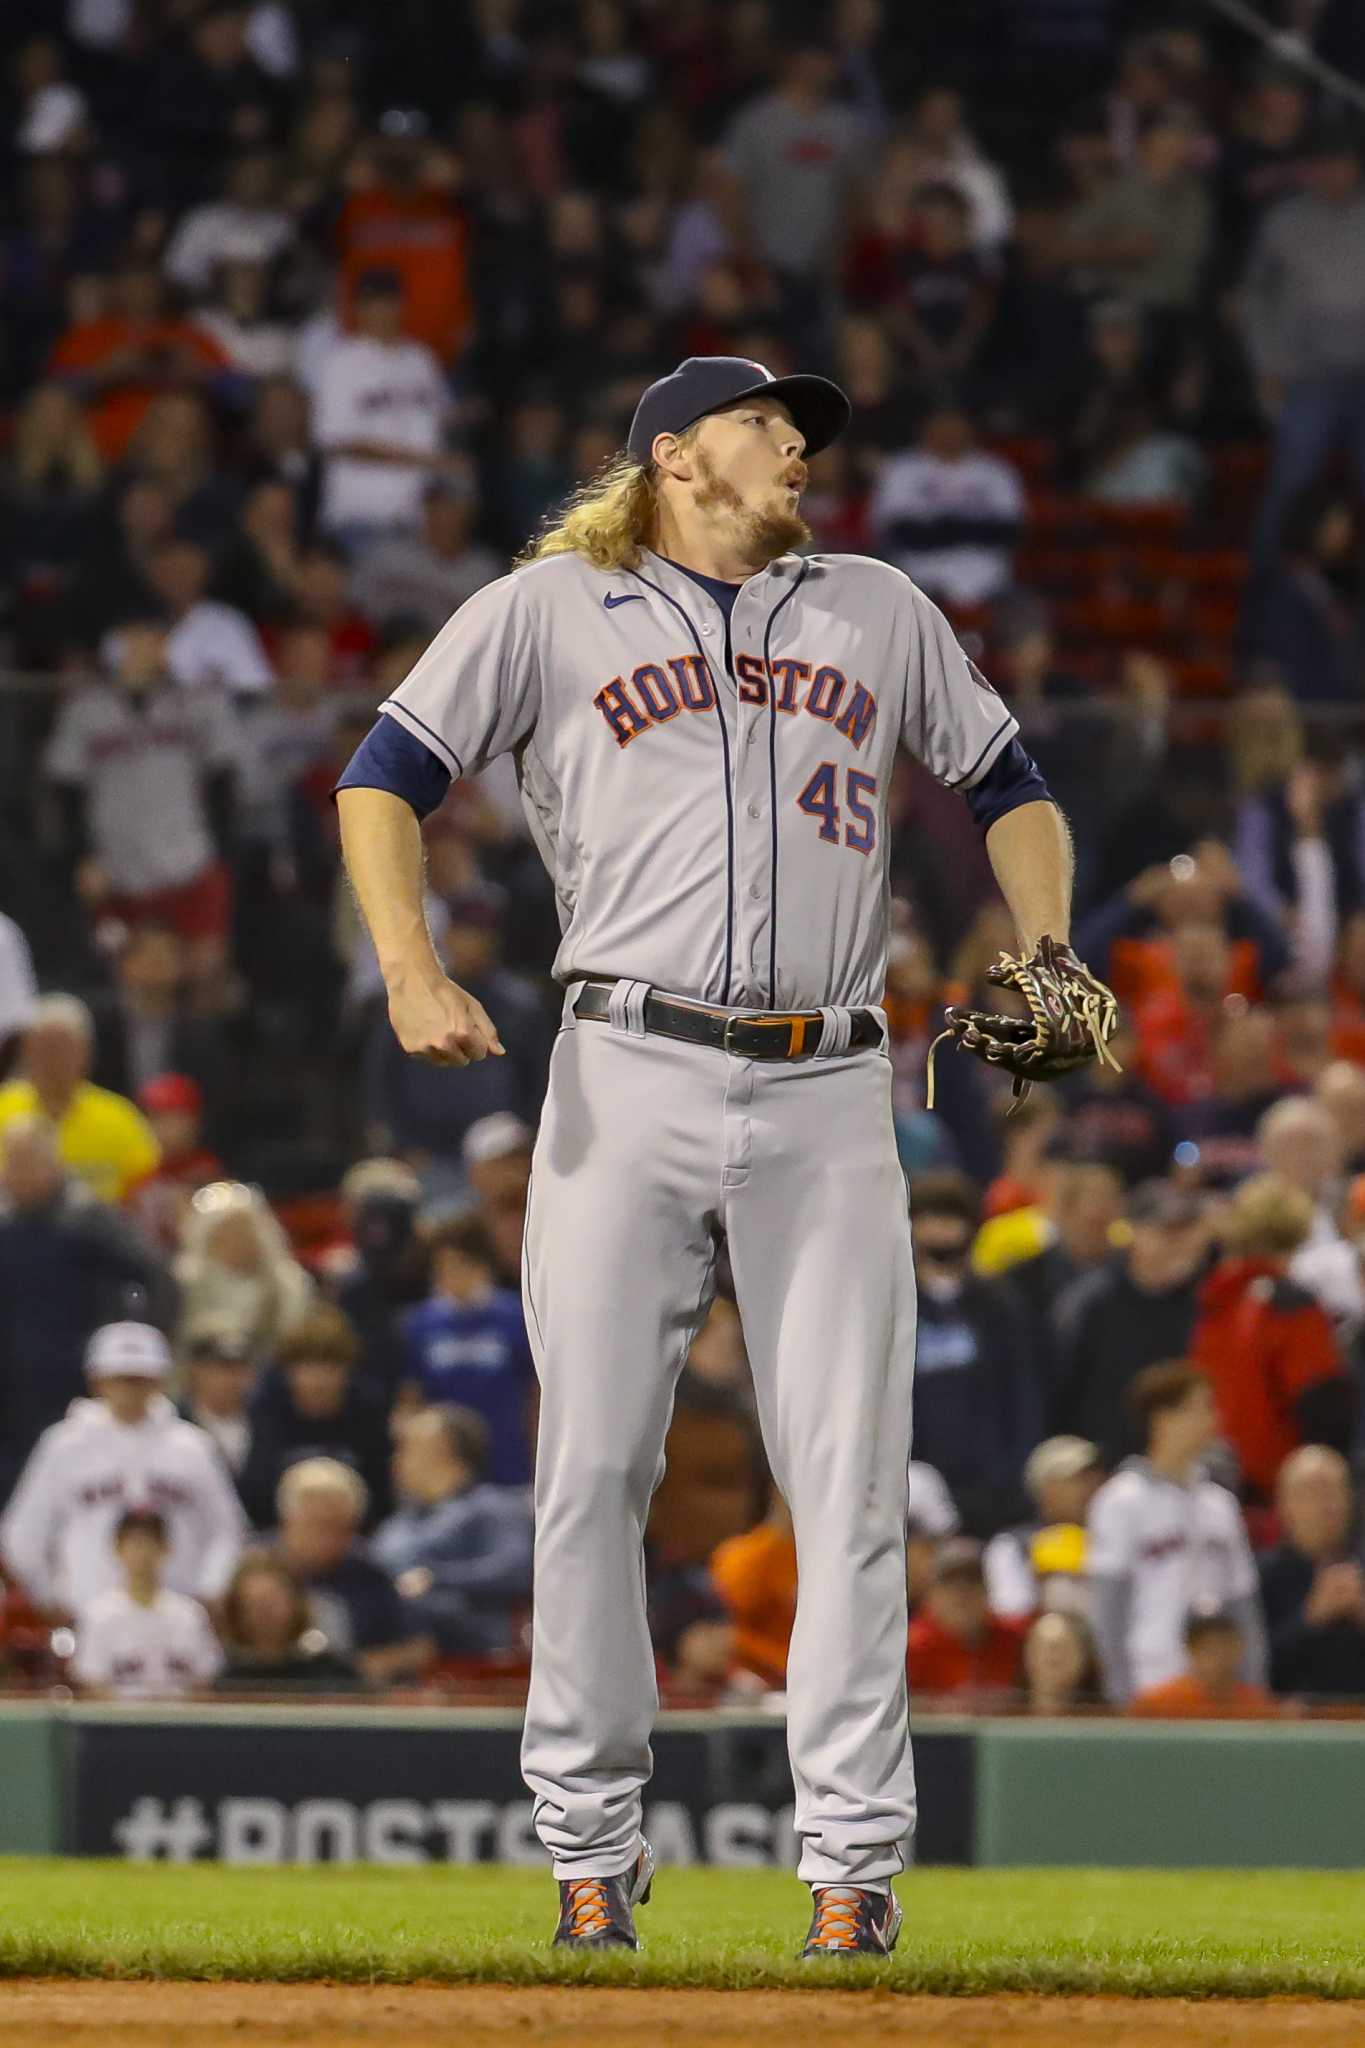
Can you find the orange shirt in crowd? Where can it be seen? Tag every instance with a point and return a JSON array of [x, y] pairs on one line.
[[756, 1576], [938, 1661], [1263, 1343], [115, 416], [422, 236], [1189, 1699], [1140, 969]]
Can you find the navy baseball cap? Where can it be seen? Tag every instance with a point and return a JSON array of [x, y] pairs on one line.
[[704, 384]]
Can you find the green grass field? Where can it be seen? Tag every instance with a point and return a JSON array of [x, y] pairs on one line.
[[1143, 1933]]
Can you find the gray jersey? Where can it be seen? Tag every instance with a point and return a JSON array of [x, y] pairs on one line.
[[711, 806], [141, 767]]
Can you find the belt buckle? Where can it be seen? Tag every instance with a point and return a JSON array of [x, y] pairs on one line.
[[725, 1044]]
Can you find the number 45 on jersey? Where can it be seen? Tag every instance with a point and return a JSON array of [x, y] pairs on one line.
[[820, 799]]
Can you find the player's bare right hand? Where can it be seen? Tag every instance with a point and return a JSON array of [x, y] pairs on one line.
[[437, 1021]]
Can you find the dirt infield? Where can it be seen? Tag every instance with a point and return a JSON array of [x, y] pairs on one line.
[[421, 2016]]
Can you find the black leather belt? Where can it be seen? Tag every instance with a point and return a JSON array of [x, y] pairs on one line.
[[779, 1035]]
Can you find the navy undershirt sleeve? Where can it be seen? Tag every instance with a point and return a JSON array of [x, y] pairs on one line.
[[390, 758], [1011, 780]]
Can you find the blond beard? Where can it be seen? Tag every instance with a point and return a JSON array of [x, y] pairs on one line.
[[757, 536]]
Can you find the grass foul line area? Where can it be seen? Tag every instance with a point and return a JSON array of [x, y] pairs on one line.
[[1153, 1934]]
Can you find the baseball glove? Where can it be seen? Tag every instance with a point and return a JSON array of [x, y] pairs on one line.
[[1071, 1016]]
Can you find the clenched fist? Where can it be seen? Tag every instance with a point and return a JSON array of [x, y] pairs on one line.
[[434, 1020]]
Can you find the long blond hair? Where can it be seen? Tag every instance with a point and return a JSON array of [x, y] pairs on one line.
[[610, 518]]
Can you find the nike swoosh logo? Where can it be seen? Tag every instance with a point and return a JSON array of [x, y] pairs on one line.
[[632, 597]]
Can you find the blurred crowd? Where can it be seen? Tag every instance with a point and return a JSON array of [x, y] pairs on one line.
[[312, 311]]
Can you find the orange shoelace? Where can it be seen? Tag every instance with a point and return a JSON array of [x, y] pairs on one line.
[[837, 1917], [588, 1910]]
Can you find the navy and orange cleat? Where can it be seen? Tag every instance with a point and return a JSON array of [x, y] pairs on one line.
[[597, 1912], [849, 1921]]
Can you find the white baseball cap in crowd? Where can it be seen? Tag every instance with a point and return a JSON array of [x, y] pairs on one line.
[[496, 1137], [1059, 1457], [131, 1350]]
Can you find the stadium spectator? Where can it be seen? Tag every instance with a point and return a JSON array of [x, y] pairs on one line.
[[948, 513], [235, 1266], [176, 447], [402, 216], [206, 641], [139, 1640], [1304, 302], [173, 1105], [1114, 1118], [1306, 613], [979, 1395], [1044, 1248], [208, 91], [119, 360], [101, 1137], [1301, 1144], [261, 565], [1273, 1363], [380, 416], [309, 1403], [217, 1375], [458, 1547], [111, 582], [1146, 230], [384, 1269], [1340, 1088], [1332, 1270], [713, 1484], [272, 1643], [1041, 1563], [467, 1345], [946, 300], [124, 1447], [1133, 1311], [147, 1024], [423, 1112], [49, 489], [755, 1575], [1166, 1542], [793, 152], [144, 770], [245, 224], [68, 1264], [1210, 1689], [957, 1647], [1313, 1581], [427, 577], [497, 1163], [18, 985], [1060, 1669], [321, 1505]]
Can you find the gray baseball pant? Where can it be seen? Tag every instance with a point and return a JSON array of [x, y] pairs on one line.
[[646, 1147]]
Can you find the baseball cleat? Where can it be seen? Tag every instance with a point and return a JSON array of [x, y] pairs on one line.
[[849, 1921], [597, 1912]]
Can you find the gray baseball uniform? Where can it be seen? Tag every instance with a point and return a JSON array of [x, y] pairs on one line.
[[711, 806]]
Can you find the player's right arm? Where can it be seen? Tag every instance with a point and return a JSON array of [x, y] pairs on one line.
[[381, 839], [474, 694]]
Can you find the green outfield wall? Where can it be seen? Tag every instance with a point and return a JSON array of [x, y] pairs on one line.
[[307, 1784]]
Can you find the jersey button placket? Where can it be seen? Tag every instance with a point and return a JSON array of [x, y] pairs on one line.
[[751, 778]]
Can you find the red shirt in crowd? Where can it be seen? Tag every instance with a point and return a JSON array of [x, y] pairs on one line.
[[938, 1661], [116, 415], [1189, 1699], [1263, 1343]]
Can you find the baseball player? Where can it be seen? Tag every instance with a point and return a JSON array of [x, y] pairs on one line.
[[704, 724]]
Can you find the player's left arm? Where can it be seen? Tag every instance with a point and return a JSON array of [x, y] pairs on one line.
[[1030, 854]]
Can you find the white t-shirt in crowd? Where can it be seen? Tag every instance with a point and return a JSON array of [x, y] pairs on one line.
[[949, 525], [390, 393], [1182, 1550], [215, 643], [159, 1652], [18, 983]]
